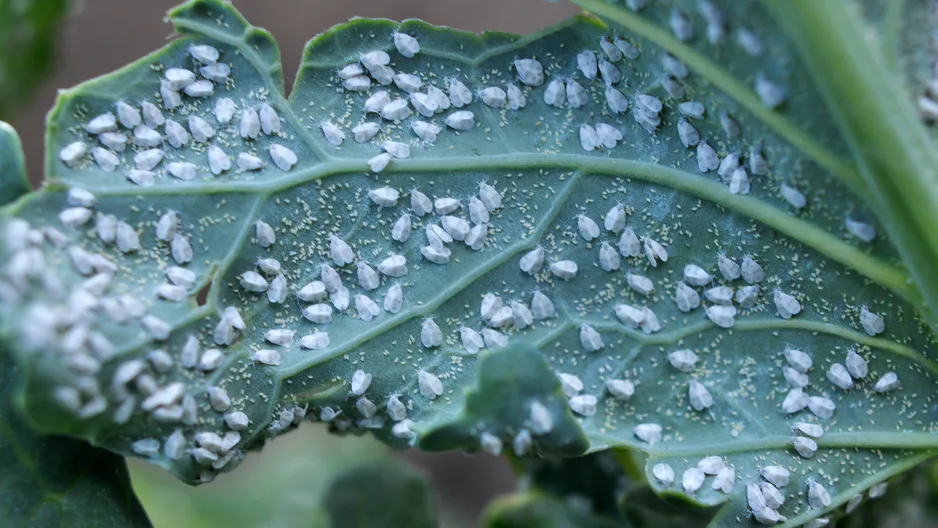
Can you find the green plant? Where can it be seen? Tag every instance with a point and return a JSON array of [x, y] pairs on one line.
[[667, 270]]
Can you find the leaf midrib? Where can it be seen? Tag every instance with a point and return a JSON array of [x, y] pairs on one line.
[[877, 270]]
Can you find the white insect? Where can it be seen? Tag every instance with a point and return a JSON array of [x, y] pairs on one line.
[[266, 357], [610, 73], [664, 474], [249, 162], [471, 340], [725, 480], [564, 269], [711, 465], [821, 407], [430, 334], [283, 157], [589, 139], [376, 102], [576, 94], [494, 97], [384, 196], [776, 475], [586, 62], [629, 244], [554, 94], [707, 159], [856, 365], [758, 165], [532, 261], [516, 98], [379, 162], [794, 378], [408, 82], [793, 196], [320, 313], [786, 304], [425, 104], [818, 497], [393, 266], [722, 316], [640, 284], [425, 131], [570, 384], [459, 94], [218, 160], [620, 389], [654, 251], [429, 385], [686, 298], [684, 360], [396, 110], [719, 295], [871, 322], [181, 249], [406, 45], [839, 376], [530, 71], [182, 170], [629, 315], [739, 182], [751, 271], [809, 429], [692, 480], [798, 360], [590, 339], [340, 298], [367, 308], [461, 120], [805, 447], [332, 133], [584, 404], [587, 227], [648, 432], [106, 160], [541, 306], [700, 397], [315, 341], [609, 259], [610, 49], [772, 94], [616, 101], [887, 382], [687, 133], [794, 401]]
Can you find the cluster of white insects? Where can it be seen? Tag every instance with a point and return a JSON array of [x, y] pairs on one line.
[[140, 127], [449, 222]]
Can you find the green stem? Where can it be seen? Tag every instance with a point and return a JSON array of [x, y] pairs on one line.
[[896, 156]]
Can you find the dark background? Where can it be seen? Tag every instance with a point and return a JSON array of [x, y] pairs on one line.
[[102, 35]]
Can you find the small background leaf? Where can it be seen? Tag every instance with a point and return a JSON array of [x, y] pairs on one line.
[[302, 479], [28, 36]]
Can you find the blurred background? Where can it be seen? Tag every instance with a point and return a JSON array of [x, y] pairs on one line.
[[279, 486]]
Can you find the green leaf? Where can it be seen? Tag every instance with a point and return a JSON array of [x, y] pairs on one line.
[[29, 27], [388, 493], [303, 479], [535, 510], [593, 490], [453, 397], [909, 500], [49, 480], [56, 481], [13, 180]]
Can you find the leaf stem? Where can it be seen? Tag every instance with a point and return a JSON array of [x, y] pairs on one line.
[[896, 156]]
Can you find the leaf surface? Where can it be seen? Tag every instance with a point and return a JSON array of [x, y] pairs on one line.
[[550, 188]]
